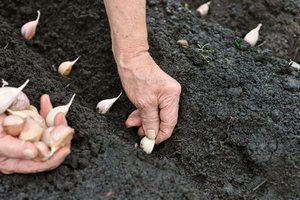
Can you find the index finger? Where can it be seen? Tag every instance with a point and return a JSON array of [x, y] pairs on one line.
[[46, 105]]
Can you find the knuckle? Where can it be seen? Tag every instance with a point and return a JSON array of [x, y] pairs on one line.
[[175, 87]]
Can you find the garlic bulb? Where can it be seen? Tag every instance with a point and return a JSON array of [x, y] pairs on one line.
[[204, 8], [28, 30], [2, 117], [44, 152], [30, 113], [252, 36], [13, 125], [147, 145], [104, 105], [64, 109], [8, 95], [46, 136], [32, 131], [21, 103], [65, 68], [59, 137]]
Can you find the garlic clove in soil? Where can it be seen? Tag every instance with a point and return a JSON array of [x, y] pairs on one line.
[[252, 36], [203, 9], [46, 136], [147, 145], [182, 42], [65, 68], [64, 109], [59, 137], [44, 152], [104, 106], [13, 125], [21, 103], [28, 30], [30, 113], [8, 95], [32, 131], [294, 64]]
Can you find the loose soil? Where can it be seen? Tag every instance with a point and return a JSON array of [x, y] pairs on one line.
[[238, 131]]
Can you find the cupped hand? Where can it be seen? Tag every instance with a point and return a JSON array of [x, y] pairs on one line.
[[154, 93], [17, 156]]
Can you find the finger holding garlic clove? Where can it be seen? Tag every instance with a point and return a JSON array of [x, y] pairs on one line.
[[28, 30], [13, 125], [65, 68]]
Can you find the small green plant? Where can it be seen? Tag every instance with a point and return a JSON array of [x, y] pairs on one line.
[[237, 43], [206, 53]]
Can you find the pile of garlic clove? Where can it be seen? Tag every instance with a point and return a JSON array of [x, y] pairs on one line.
[[21, 120]]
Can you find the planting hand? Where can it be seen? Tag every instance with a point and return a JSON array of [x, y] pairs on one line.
[[152, 91], [17, 156]]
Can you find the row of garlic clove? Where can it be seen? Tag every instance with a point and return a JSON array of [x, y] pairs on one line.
[[24, 121], [251, 37], [28, 31]]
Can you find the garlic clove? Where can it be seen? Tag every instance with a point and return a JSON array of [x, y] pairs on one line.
[[8, 95], [13, 125], [104, 106], [65, 68], [147, 145], [64, 109], [32, 131], [59, 137], [182, 42], [44, 151], [294, 64], [253, 35], [2, 117], [28, 30], [21, 103], [46, 136], [30, 113], [203, 9], [33, 108]]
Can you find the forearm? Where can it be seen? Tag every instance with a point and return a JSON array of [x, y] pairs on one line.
[[127, 20]]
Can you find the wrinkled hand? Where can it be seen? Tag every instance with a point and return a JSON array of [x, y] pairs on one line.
[[154, 93], [17, 156]]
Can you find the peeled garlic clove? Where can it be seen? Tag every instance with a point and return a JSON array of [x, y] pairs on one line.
[[104, 105], [203, 9], [30, 113], [63, 109], [252, 36], [2, 117], [147, 145], [60, 136], [32, 131], [8, 95], [13, 125], [44, 152], [28, 30], [65, 68], [46, 136], [21, 103]]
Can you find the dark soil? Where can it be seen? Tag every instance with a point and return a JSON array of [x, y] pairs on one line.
[[238, 133]]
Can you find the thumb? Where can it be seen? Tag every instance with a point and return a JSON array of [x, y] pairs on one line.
[[150, 121], [12, 147]]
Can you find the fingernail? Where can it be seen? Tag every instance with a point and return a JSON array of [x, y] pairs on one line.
[[150, 133], [29, 154]]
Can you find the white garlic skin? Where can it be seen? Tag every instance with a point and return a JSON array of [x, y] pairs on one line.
[[65, 68], [104, 106], [59, 137], [32, 131], [46, 135], [30, 113], [44, 151], [253, 35], [21, 103], [28, 30], [63, 109], [13, 125], [147, 145], [8, 95], [203, 9]]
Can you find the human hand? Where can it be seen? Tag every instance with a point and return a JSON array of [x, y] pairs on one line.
[[17, 156], [154, 93]]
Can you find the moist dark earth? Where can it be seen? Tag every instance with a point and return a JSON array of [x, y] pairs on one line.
[[238, 131]]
